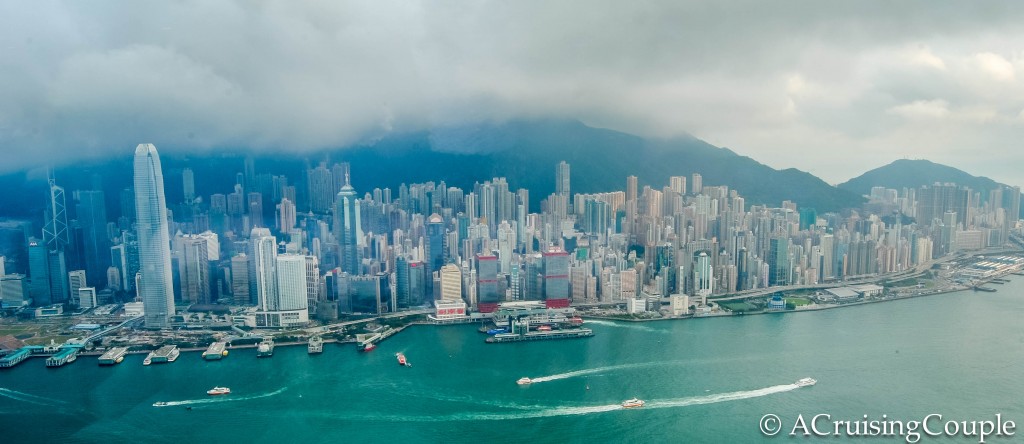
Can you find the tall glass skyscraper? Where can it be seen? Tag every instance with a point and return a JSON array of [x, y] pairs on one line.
[[156, 285], [347, 229], [92, 216]]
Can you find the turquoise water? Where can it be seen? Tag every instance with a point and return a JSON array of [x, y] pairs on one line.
[[959, 355]]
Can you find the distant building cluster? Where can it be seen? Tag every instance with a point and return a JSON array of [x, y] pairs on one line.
[[295, 249]]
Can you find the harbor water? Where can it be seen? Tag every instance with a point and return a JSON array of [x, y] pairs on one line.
[[704, 380]]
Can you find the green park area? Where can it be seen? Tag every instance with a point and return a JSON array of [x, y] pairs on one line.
[[796, 302], [738, 306]]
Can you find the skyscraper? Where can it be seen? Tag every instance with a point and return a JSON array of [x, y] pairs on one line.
[[562, 178], [631, 188], [435, 242], [76, 280], [291, 304], [154, 241], [321, 189], [703, 277], [188, 184], [240, 279], [55, 233], [778, 261], [556, 278], [451, 283], [487, 283], [286, 215], [264, 267], [347, 228], [92, 217], [194, 269]]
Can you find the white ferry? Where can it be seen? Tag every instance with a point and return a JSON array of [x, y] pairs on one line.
[[806, 382], [632, 403], [218, 391]]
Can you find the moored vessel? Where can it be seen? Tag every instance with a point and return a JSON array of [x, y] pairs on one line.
[[369, 346]]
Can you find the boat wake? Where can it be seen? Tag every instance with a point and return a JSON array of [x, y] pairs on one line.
[[592, 371], [629, 325], [721, 397], [29, 398], [543, 412], [219, 399], [655, 404]]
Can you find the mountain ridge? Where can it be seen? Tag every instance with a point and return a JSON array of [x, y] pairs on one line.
[[525, 151], [914, 173]]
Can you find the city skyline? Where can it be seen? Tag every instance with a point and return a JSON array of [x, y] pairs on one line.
[[790, 84], [383, 250]]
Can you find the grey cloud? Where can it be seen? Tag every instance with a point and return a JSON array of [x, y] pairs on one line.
[[800, 83]]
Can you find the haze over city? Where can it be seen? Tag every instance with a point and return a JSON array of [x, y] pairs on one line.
[[830, 89]]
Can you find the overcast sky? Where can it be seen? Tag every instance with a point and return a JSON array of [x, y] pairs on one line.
[[833, 88]]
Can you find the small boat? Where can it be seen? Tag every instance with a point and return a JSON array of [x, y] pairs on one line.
[[218, 391], [369, 346], [524, 381], [401, 360], [159, 404], [544, 328], [632, 403], [806, 382]]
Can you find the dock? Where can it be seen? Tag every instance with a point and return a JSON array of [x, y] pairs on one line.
[[64, 356], [167, 353], [316, 345], [15, 358], [541, 335], [265, 348], [57, 355], [113, 356], [377, 337], [216, 351]]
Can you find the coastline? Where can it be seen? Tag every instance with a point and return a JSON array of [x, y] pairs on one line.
[[803, 308], [809, 308]]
